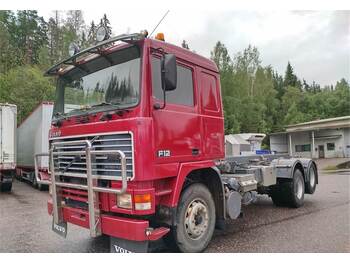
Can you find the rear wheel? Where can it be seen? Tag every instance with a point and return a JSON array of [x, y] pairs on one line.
[[310, 186], [195, 219], [39, 186], [289, 192], [34, 181], [19, 175], [6, 187]]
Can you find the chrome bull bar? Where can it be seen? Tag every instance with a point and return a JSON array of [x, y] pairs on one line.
[[91, 186]]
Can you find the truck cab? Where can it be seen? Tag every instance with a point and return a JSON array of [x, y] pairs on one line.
[[137, 146], [114, 99]]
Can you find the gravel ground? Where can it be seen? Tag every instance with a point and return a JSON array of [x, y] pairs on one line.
[[321, 225]]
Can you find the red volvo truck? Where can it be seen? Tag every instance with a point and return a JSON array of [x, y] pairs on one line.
[[142, 157]]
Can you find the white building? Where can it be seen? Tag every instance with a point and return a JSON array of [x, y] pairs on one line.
[[326, 138], [243, 144]]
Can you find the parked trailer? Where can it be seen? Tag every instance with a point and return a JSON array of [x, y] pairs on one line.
[[8, 120], [32, 137], [143, 156]]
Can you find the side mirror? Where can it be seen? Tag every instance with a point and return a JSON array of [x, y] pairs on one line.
[[169, 72]]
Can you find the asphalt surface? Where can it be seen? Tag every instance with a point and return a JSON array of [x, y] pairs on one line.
[[321, 225]]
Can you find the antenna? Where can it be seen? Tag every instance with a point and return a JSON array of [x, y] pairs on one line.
[[159, 23]]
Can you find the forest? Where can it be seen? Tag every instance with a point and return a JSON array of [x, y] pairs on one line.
[[256, 98]]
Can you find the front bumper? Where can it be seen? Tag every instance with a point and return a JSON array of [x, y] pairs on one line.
[[120, 227]]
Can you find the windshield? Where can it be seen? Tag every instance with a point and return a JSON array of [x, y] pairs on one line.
[[103, 83]]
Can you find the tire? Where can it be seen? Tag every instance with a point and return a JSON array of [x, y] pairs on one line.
[[6, 187], [35, 182], [289, 192], [310, 186], [276, 196], [195, 219], [19, 177], [42, 187]]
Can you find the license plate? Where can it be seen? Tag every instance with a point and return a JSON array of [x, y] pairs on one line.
[[60, 228], [118, 245], [118, 249]]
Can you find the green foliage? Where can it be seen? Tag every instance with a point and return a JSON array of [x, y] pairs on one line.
[[27, 34], [29, 45], [26, 87], [258, 99], [255, 97], [91, 38]]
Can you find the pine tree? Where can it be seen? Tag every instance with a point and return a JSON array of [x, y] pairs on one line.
[[290, 78], [105, 22], [315, 88], [221, 57], [83, 41], [28, 34], [75, 22], [278, 84], [306, 86], [92, 33]]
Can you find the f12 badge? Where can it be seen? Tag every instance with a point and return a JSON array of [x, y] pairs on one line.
[[164, 153]]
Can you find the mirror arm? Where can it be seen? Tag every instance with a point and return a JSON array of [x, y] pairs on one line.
[[164, 91], [157, 106]]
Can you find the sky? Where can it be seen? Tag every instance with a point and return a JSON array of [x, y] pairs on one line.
[[316, 43]]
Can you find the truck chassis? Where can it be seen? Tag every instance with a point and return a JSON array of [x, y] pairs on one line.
[[283, 178]]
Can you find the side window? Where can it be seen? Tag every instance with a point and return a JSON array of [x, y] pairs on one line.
[[330, 146], [209, 95], [183, 94], [303, 148]]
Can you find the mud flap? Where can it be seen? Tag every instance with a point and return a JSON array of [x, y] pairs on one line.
[[60, 228], [118, 245]]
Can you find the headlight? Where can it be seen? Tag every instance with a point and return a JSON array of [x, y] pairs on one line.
[[124, 201], [101, 34], [73, 49]]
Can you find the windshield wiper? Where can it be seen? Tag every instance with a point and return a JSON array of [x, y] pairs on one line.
[[57, 114], [103, 104]]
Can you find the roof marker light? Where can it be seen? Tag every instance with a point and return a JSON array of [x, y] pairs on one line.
[[160, 37]]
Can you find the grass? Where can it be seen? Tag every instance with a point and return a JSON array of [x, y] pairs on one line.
[[330, 168], [343, 165]]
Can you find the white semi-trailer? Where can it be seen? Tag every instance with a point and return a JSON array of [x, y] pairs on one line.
[[33, 138], [8, 122]]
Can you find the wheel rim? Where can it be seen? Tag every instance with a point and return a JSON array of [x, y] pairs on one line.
[[312, 177], [299, 188], [196, 219]]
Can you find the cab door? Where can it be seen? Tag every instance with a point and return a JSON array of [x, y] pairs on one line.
[[177, 126], [211, 114]]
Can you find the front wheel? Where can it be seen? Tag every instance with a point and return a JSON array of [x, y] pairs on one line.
[[195, 219]]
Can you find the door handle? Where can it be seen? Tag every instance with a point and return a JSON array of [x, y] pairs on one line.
[[195, 151]]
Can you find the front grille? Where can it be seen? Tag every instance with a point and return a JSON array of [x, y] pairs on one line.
[[102, 165]]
